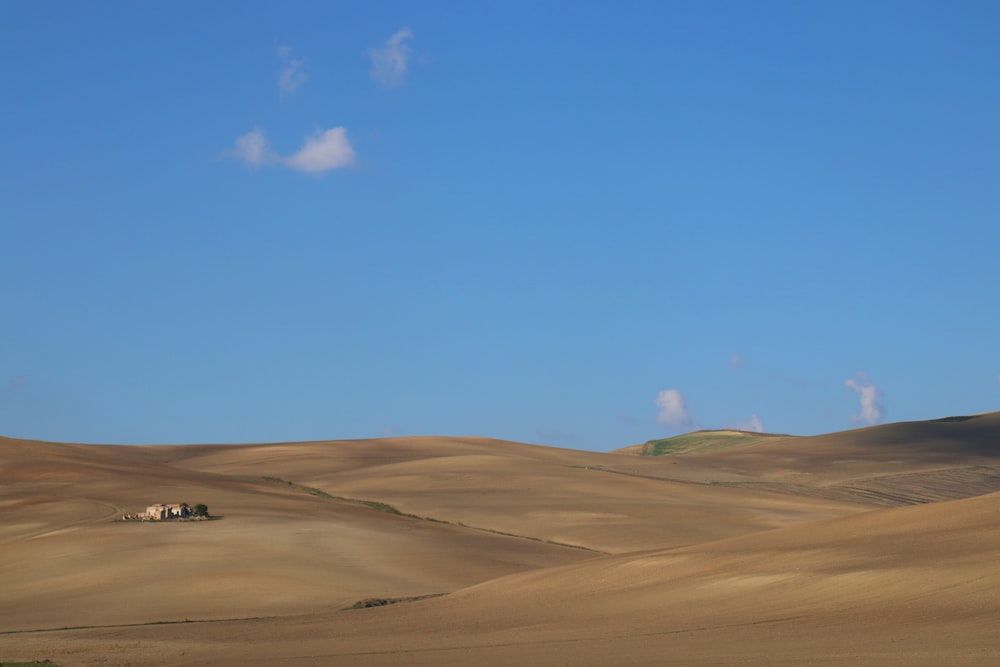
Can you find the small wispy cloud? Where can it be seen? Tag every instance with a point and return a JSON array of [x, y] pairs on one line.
[[322, 151], [389, 61], [292, 76], [252, 149], [870, 397], [735, 361], [673, 411], [753, 424]]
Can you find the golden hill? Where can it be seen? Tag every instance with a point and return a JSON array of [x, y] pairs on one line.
[[782, 551]]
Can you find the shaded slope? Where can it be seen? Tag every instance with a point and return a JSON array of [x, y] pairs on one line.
[[887, 465], [884, 449]]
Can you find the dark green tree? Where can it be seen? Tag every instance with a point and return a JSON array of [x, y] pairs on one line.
[[201, 509]]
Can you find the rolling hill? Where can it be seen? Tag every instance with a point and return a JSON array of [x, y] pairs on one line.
[[871, 546]]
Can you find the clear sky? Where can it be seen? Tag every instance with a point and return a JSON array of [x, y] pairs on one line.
[[577, 224]]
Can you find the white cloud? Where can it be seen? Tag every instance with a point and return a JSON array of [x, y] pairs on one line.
[[753, 424], [253, 149], [672, 409], [323, 150], [292, 75], [871, 399], [390, 60]]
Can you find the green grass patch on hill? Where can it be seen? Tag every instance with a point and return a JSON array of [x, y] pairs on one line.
[[701, 442]]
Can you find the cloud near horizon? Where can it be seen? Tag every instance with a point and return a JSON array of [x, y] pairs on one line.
[[870, 397], [753, 424], [322, 151], [389, 62], [292, 75], [673, 411]]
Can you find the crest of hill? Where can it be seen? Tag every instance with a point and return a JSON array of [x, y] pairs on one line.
[[937, 439], [937, 442], [889, 464], [700, 442]]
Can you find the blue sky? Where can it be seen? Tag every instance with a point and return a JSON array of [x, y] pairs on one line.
[[577, 224]]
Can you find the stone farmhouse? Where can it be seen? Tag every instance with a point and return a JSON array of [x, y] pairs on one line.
[[159, 511], [165, 512]]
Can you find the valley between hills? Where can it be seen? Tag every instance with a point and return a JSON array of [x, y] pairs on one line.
[[874, 546]]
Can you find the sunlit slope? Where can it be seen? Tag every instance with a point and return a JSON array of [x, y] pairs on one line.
[[67, 560], [903, 586], [588, 499]]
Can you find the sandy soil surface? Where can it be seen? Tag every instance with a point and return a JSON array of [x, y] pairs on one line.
[[874, 546]]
